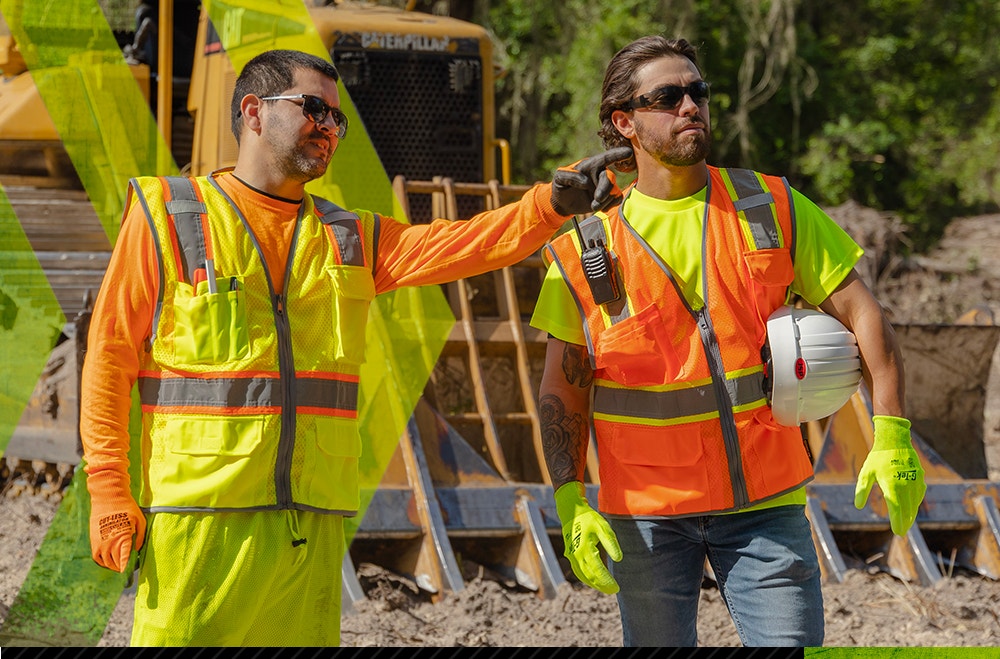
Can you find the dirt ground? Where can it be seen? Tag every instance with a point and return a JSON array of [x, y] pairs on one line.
[[869, 608]]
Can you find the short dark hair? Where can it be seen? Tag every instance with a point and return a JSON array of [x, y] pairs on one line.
[[621, 84], [271, 73]]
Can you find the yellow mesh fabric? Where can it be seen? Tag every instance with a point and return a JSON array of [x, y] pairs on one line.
[[235, 579]]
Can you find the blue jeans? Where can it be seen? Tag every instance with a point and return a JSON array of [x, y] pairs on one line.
[[764, 563]]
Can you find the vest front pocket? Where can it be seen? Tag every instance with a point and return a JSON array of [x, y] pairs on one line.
[[209, 460], [210, 328], [330, 449], [353, 291]]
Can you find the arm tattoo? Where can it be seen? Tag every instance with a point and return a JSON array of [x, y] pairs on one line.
[[563, 440], [576, 367]]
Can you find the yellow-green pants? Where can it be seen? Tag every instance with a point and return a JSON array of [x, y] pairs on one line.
[[240, 579]]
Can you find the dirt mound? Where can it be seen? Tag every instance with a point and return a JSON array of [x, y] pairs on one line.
[[961, 273]]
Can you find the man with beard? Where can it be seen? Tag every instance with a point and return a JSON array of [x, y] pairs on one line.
[[656, 312], [238, 304]]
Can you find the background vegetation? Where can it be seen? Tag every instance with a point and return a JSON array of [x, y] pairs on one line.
[[892, 103]]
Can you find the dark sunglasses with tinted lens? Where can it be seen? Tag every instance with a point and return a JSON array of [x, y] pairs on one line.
[[316, 110], [668, 97]]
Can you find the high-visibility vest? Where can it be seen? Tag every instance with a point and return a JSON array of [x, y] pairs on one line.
[[249, 395], [681, 419]]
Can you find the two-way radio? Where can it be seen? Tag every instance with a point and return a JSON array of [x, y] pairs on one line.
[[598, 268]]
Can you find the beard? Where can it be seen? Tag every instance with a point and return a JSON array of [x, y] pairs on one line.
[[293, 161], [305, 168], [675, 151]]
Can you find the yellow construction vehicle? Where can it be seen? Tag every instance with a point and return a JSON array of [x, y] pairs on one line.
[[423, 85]]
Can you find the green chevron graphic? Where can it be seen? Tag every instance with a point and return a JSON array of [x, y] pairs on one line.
[[30, 321], [902, 653], [111, 135]]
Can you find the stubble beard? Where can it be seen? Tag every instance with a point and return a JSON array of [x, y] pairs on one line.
[[683, 151], [305, 169], [295, 165]]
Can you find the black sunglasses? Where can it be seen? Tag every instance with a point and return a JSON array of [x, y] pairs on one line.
[[316, 110], [668, 97]]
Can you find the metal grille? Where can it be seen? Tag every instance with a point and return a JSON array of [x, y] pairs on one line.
[[423, 112]]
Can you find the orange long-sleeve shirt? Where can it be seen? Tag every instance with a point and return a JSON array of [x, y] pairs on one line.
[[408, 255]]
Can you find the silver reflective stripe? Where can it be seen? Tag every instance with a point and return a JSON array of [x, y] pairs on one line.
[[246, 392], [752, 202], [344, 225], [551, 252], [755, 203], [175, 206], [186, 212], [676, 403], [332, 394]]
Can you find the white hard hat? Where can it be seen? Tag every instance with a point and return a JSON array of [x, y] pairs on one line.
[[813, 368]]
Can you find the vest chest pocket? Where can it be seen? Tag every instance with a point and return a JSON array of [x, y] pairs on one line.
[[636, 350], [210, 328], [353, 290], [770, 267]]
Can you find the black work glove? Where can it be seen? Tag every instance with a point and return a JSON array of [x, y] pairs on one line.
[[587, 186]]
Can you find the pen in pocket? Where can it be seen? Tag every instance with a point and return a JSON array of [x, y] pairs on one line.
[[210, 272]]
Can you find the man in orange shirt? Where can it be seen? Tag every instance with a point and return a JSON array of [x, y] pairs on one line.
[[238, 303]]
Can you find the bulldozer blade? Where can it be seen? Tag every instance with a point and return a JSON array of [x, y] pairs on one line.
[[985, 557], [536, 552], [351, 591], [452, 503], [831, 562], [953, 527]]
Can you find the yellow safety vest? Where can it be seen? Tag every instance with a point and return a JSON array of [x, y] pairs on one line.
[[249, 395]]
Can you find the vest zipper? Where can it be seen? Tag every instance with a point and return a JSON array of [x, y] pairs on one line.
[[286, 361], [286, 369], [727, 420], [286, 441], [713, 353]]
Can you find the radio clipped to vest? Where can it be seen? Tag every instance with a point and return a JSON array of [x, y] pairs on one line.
[[598, 268]]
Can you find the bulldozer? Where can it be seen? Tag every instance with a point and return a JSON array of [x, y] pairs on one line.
[[422, 87], [466, 488]]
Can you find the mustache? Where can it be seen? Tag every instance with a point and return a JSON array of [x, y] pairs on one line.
[[319, 135], [694, 121]]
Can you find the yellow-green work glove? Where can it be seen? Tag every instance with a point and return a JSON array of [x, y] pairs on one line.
[[894, 464], [583, 528]]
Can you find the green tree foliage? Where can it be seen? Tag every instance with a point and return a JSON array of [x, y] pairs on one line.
[[910, 102], [892, 103]]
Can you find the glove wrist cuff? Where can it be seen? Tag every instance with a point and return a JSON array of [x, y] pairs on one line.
[[891, 432], [570, 497]]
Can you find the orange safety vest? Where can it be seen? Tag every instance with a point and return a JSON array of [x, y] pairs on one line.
[[249, 395], [680, 414]]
